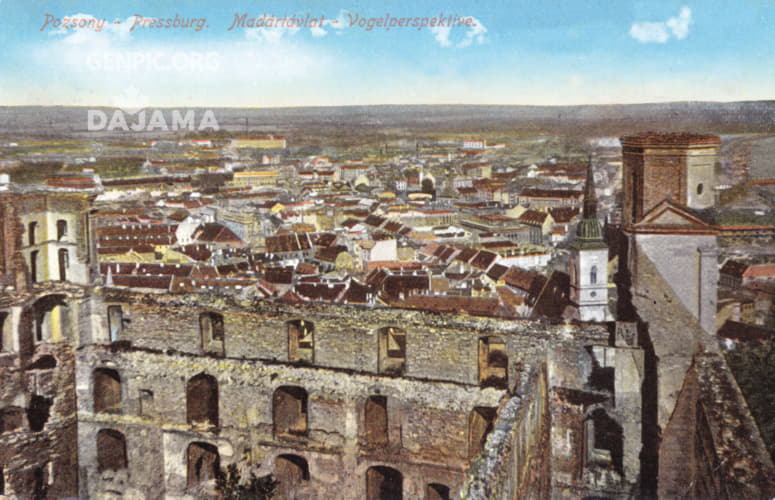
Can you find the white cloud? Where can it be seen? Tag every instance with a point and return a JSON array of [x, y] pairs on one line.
[[660, 32], [680, 25], [649, 32], [475, 34], [441, 34], [339, 23], [271, 35]]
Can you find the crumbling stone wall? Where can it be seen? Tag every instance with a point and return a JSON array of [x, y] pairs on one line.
[[515, 462], [428, 409], [38, 451]]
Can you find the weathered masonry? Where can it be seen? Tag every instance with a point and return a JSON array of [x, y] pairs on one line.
[[335, 402]]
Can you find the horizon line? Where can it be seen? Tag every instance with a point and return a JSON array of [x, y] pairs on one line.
[[645, 103]]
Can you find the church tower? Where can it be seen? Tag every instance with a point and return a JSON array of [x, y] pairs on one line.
[[588, 262]]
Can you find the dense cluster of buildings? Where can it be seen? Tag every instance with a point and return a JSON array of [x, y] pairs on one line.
[[437, 326]]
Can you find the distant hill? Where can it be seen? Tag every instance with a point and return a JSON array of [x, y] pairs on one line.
[[731, 117]]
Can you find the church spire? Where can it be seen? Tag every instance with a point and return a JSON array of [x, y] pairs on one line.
[[589, 229], [590, 197]]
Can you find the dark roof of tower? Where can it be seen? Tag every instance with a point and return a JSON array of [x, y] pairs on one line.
[[589, 233]]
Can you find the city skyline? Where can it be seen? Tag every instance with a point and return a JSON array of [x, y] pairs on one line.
[[569, 54]]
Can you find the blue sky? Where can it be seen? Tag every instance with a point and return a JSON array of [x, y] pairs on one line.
[[551, 52]]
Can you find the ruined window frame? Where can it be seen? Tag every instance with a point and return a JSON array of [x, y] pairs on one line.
[[297, 353], [476, 442], [210, 409], [191, 484], [382, 437], [489, 373], [388, 476], [115, 324], [212, 333], [390, 364], [115, 408], [444, 493], [117, 436], [289, 425]]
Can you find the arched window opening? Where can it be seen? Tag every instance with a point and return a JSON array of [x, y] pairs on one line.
[[435, 491], [289, 411], [493, 363], [301, 341], [202, 400], [50, 318], [202, 464], [107, 391], [111, 450], [384, 483], [480, 424], [376, 421], [290, 472], [392, 351], [61, 229], [593, 275]]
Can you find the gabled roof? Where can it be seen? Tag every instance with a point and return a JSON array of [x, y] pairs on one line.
[[563, 215], [533, 217], [290, 242], [484, 260], [497, 271], [669, 217], [216, 233]]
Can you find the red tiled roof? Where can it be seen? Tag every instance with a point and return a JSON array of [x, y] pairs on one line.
[[216, 233], [291, 242]]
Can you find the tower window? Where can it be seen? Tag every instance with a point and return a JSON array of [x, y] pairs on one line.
[[61, 229], [593, 275], [31, 228], [64, 263], [700, 188], [34, 266]]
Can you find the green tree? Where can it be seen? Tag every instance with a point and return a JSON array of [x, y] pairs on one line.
[[231, 486]]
